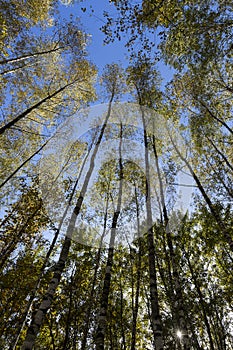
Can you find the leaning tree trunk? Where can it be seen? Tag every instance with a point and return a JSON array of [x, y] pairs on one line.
[[220, 179], [30, 55], [46, 261], [39, 316], [202, 302], [24, 163], [221, 154], [102, 318], [215, 214], [35, 106], [215, 117], [7, 251]]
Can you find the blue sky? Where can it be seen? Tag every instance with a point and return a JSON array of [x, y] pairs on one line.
[[99, 53], [91, 22]]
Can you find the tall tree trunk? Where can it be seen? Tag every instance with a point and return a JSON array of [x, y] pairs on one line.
[[177, 297], [123, 346], [92, 292], [138, 280], [102, 318], [68, 320], [37, 321], [155, 312]]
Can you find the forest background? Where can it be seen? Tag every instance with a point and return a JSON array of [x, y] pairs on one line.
[[116, 174]]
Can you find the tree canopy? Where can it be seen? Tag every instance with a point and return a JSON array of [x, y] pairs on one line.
[[116, 227]]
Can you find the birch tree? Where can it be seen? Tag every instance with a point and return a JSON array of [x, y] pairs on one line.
[[112, 86]]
